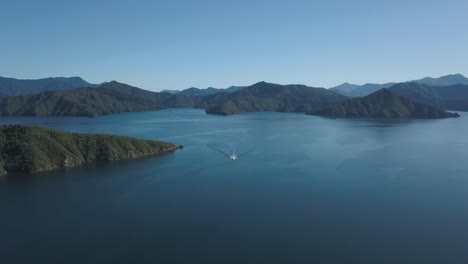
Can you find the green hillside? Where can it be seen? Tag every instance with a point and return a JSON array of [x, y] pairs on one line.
[[382, 104], [274, 97], [34, 149], [452, 97]]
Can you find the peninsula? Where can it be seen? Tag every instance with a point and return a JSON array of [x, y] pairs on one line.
[[382, 104], [28, 149]]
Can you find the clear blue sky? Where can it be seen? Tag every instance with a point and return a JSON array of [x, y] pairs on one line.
[[178, 44]]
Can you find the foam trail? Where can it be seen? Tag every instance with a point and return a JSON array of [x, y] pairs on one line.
[[233, 155], [247, 152], [200, 134], [220, 151]]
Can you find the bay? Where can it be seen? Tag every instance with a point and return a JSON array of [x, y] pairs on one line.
[[313, 190]]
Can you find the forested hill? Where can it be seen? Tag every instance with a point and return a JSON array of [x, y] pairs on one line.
[[382, 104], [34, 149]]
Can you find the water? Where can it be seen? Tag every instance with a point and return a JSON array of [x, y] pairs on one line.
[[314, 190]]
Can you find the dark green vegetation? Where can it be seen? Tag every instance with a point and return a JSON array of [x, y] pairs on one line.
[[264, 96], [12, 87], [114, 97], [34, 149], [78, 102], [382, 104], [453, 97], [353, 90]]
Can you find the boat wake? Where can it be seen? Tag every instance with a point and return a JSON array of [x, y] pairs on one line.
[[232, 155]]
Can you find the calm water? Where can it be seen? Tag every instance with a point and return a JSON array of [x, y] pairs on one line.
[[314, 190]]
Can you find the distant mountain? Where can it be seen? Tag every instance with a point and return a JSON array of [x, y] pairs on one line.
[[192, 91], [344, 87], [447, 80], [12, 87], [170, 91], [352, 90], [369, 88], [200, 92], [452, 97], [33, 149], [364, 89], [264, 96], [381, 104]]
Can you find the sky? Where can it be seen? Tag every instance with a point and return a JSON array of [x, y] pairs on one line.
[[178, 44]]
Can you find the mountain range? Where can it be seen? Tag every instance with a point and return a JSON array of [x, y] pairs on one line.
[[114, 97], [109, 98], [446, 80], [12, 87], [193, 91], [353, 90]]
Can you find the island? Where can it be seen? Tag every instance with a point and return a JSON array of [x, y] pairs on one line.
[[30, 149], [382, 104]]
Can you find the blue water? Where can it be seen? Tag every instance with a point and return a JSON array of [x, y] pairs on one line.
[[314, 190]]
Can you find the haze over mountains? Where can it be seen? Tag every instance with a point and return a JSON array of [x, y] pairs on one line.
[[193, 91], [12, 86], [354, 90], [446, 80], [345, 88]]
